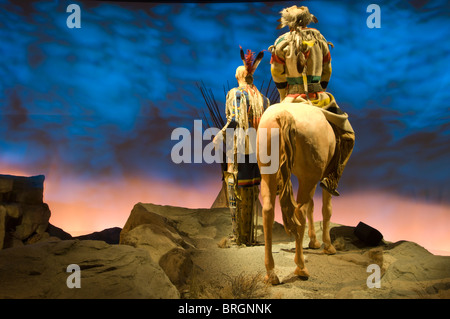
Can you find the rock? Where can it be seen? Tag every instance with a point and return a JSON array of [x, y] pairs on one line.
[[177, 253], [107, 271], [13, 210], [109, 235], [154, 238], [171, 234], [224, 243], [8, 213], [34, 220], [190, 223], [140, 215], [345, 238], [414, 272], [339, 244], [6, 185], [407, 271], [2, 225], [368, 234], [37, 238], [54, 231], [20, 189], [22, 211], [178, 265], [375, 256], [162, 238]]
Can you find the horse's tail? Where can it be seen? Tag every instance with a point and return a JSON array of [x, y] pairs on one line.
[[288, 203]]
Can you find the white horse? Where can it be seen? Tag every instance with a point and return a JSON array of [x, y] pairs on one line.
[[306, 147]]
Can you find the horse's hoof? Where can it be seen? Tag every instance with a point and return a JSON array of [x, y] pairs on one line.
[[272, 279], [314, 244], [329, 250], [301, 272]]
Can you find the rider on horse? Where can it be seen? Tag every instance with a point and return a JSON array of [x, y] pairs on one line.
[[301, 70]]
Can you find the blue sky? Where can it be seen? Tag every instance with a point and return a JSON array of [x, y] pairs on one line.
[[101, 101]]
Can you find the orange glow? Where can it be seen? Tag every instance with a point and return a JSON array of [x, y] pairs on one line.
[[83, 206]]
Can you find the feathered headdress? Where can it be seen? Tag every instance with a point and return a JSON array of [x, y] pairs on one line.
[[295, 17], [250, 63]]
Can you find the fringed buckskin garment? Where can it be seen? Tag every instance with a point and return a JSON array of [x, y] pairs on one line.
[[244, 108]]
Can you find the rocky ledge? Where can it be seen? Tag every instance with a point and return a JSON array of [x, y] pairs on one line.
[[174, 252]]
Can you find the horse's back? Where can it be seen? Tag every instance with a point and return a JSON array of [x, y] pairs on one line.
[[308, 118]]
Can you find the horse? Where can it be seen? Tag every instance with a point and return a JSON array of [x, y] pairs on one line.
[[306, 145]]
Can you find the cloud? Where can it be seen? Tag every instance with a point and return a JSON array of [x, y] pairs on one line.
[[102, 101]]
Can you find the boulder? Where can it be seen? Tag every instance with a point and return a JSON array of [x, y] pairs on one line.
[[141, 215], [106, 271], [161, 237], [34, 220], [21, 189], [156, 239], [171, 234], [368, 234], [414, 272], [23, 214], [178, 266]]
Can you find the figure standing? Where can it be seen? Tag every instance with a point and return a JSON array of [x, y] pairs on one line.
[[301, 70], [244, 108]]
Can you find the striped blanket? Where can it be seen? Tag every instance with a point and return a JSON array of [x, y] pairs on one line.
[[248, 174]]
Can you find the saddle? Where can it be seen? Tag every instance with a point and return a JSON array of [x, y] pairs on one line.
[[331, 110]]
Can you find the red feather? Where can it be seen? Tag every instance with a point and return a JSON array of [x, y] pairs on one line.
[[249, 58]]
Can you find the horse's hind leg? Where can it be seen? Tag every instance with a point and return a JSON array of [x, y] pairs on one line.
[[268, 194], [326, 214], [304, 200], [299, 259], [313, 242]]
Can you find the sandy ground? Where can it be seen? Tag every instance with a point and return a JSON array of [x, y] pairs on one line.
[[407, 269], [328, 274]]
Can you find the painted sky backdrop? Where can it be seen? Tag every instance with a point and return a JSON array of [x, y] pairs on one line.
[[93, 108]]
